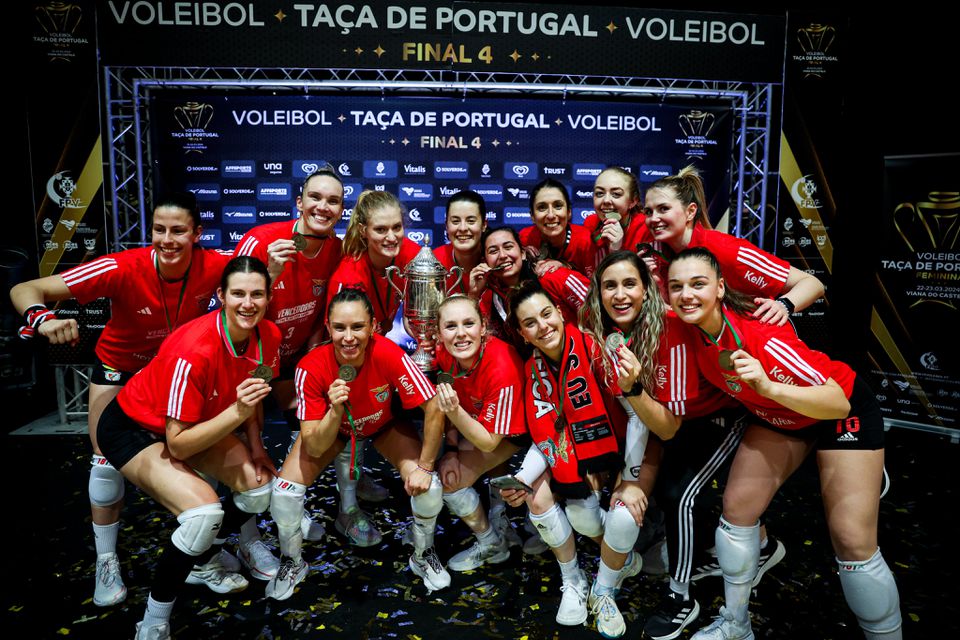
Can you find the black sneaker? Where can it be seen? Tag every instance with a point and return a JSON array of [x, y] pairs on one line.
[[708, 569], [672, 616], [770, 556]]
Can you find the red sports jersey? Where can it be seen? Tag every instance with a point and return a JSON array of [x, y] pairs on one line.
[[195, 375], [140, 316], [386, 369], [785, 358], [299, 295], [491, 392], [746, 268], [634, 233], [360, 273], [578, 248], [445, 255]]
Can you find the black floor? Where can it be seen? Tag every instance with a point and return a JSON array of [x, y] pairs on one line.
[[372, 594]]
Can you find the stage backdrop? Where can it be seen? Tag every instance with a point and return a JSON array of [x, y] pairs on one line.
[[246, 156]]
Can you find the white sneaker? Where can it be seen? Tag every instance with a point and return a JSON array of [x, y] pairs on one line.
[[312, 531], [724, 627], [289, 575], [358, 527], [370, 491], [632, 567], [153, 631], [478, 555], [109, 589], [499, 520], [229, 562], [429, 567], [573, 603], [608, 618], [258, 560], [217, 576]]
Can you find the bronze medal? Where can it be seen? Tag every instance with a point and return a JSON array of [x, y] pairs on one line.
[[726, 360], [614, 341], [444, 378], [612, 215], [299, 241], [347, 373], [560, 424], [263, 372], [499, 267]]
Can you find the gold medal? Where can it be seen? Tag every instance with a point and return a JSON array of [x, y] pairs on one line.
[[299, 241], [444, 378], [613, 215], [347, 373], [614, 341], [263, 372], [726, 360]]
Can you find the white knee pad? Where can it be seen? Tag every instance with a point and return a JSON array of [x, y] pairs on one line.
[[871, 594], [286, 508], [255, 500], [620, 530], [429, 503], [552, 526], [198, 528], [463, 502], [738, 551], [106, 483], [585, 516]]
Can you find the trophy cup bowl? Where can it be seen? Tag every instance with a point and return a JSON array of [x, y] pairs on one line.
[[423, 291]]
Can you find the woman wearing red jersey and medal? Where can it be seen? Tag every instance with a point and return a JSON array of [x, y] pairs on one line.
[[344, 393], [576, 427], [480, 391], [504, 269], [553, 235], [176, 419], [803, 401], [676, 215], [301, 256], [619, 222], [466, 221], [152, 291]]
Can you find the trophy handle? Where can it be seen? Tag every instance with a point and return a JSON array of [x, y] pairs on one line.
[[393, 269], [457, 269]]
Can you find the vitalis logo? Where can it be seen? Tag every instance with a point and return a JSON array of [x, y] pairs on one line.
[[803, 191], [60, 188]]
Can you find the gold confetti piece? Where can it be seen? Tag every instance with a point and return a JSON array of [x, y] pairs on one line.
[[902, 510], [914, 617], [321, 627], [523, 638], [544, 579], [17, 608], [414, 637], [543, 589], [246, 603], [336, 604], [535, 607], [223, 603], [382, 615], [901, 565], [63, 631], [807, 543]]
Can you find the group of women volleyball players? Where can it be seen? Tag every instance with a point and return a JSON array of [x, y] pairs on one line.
[[633, 358]]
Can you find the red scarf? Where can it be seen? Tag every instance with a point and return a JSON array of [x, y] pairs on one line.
[[587, 443]]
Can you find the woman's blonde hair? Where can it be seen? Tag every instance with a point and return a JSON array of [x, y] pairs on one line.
[[354, 244], [687, 186]]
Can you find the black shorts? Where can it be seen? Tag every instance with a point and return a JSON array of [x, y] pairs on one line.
[[120, 438], [108, 376], [861, 430]]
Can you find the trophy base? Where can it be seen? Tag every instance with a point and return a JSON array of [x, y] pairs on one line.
[[424, 360]]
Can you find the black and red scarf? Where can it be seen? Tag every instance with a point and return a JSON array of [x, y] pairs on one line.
[[587, 440]]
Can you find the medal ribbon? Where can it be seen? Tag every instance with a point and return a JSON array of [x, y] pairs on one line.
[[716, 342], [305, 235], [229, 341], [561, 390], [354, 470], [384, 306], [563, 248], [163, 298], [464, 374]]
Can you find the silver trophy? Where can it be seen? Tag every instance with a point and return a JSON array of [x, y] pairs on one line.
[[423, 291]]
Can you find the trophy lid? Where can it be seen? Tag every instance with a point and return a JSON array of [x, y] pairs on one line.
[[425, 263]]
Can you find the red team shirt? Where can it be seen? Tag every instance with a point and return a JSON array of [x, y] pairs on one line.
[[359, 273], [635, 233], [138, 323], [785, 358], [386, 370], [492, 393], [578, 251], [299, 295], [195, 375]]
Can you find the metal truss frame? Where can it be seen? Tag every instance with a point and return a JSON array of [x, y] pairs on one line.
[[127, 120]]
